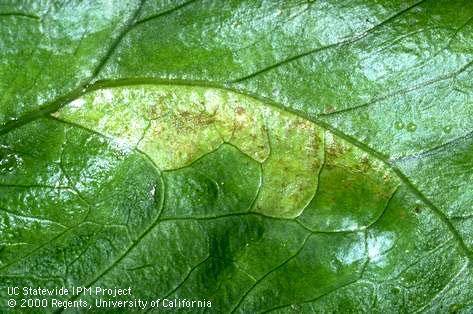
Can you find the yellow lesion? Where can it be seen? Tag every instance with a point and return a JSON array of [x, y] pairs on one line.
[[175, 125], [240, 122], [291, 171], [174, 144]]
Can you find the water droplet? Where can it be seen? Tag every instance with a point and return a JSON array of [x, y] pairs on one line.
[[447, 129], [411, 127], [398, 125]]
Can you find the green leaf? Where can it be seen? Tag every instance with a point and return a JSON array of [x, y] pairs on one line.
[[285, 156]]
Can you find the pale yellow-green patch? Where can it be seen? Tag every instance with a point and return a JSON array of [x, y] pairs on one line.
[[240, 122], [291, 171], [110, 112], [175, 125], [180, 136], [342, 154]]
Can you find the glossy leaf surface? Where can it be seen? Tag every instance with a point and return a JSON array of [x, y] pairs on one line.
[[286, 156]]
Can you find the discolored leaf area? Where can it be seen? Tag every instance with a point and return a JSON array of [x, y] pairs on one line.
[[268, 156]]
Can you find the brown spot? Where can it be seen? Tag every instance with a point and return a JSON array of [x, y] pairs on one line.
[[364, 165], [187, 121], [238, 126], [417, 209], [154, 112], [337, 150], [239, 110]]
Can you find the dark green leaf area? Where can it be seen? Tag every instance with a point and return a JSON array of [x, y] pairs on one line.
[[216, 259], [411, 258], [222, 182], [320, 260], [237, 245]]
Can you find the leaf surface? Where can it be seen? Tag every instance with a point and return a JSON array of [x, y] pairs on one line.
[[287, 156]]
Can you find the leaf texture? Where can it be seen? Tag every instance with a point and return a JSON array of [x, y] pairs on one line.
[[268, 156]]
